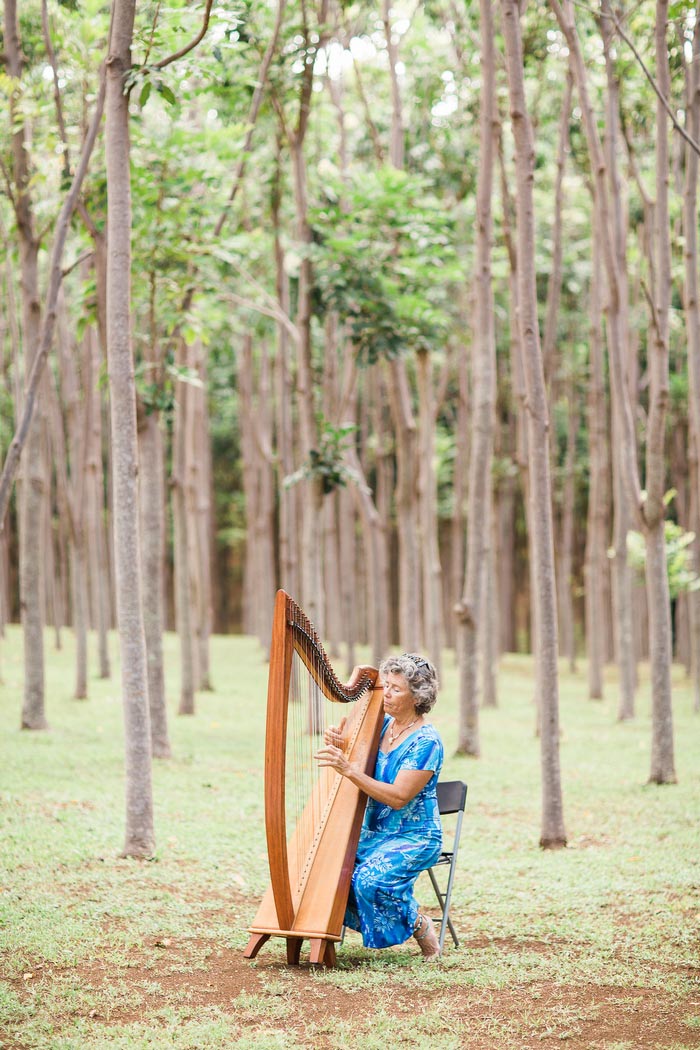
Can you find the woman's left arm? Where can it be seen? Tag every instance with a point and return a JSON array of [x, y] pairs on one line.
[[406, 786]]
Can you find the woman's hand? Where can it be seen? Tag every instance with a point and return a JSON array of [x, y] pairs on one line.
[[333, 757], [335, 735]]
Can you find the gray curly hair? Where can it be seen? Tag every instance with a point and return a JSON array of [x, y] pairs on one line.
[[420, 675]]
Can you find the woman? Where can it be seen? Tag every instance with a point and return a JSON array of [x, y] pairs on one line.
[[401, 834]]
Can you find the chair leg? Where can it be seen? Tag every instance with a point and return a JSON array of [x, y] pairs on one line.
[[443, 899], [447, 898]]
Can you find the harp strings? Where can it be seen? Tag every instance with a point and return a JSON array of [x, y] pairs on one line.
[[308, 786]]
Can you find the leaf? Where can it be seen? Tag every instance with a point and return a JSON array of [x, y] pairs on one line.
[[167, 94], [145, 92]]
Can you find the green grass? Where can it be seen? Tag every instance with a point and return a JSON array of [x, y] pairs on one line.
[[572, 946]]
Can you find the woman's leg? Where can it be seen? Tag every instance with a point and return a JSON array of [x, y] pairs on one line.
[[382, 892]]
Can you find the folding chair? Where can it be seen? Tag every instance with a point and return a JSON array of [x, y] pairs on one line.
[[452, 798]]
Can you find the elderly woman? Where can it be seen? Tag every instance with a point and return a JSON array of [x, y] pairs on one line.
[[401, 834]]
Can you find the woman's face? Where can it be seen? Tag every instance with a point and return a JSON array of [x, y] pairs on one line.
[[398, 698]]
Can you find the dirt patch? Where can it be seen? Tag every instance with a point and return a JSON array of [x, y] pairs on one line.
[[200, 975]]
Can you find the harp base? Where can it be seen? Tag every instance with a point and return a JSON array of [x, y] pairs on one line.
[[322, 948]]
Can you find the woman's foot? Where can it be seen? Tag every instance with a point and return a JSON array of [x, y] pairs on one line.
[[424, 933]]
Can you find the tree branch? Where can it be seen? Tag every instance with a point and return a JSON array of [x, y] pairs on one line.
[[657, 91], [193, 43], [49, 320], [252, 115]]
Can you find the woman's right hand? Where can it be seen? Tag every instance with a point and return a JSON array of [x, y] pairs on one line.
[[334, 736]]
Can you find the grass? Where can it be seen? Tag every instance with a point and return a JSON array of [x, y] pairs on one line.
[[595, 946]]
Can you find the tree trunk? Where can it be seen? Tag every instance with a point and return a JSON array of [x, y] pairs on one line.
[[549, 338], [199, 509], [692, 321], [34, 481], [504, 529], [409, 569], [184, 611], [490, 626], [553, 834], [152, 516], [74, 491], [458, 525], [618, 332], [139, 839], [566, 552], [472, 608], [598, 511], [662, 757], [94, 485], [428, 514], [265, 526], [288, 495]]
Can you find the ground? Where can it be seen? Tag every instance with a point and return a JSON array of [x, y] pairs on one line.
[[277, 1005]]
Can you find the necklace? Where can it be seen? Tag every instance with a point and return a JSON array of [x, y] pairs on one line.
[[395, 736]]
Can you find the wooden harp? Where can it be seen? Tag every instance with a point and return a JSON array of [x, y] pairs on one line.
[[311, 866]]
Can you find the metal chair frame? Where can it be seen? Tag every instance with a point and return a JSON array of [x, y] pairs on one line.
[[452, 798]]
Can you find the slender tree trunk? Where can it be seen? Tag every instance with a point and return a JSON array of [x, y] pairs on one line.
[[472, 609], [312, 589], [34, 481], [428, 515], [565, 578], [409, 571], [549, 338], [553, 834], [140, 838], [94, 488], [692, 321], [396, 147], [598, 486], [152, 516], [504, 530], [347, 556], [662, 752], [522, 457], [489, 634], [384, 467], [199, 514], [184, 611], [76, 425], [376, 554], [459, 489], [288, 495]]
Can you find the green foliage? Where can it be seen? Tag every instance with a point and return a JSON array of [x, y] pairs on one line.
[[385, 260], [679, 557], [325, 463]]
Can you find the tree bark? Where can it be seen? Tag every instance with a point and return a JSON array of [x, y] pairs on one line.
[[94, 487], [288, 495], [406, 496], [472, 608], [152, 518], [565, 579], [660, 647], [34, 481], [184, 609], [619, 342], [595, 565], [140, 837], [428, 513], [553, 834], [692, 322]]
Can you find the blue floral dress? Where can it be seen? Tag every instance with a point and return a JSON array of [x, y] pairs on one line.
[[396, 845]]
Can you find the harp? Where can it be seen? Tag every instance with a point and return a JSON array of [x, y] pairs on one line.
[[311, 866]]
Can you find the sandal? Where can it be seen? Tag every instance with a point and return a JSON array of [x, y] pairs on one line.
[[424, 930]]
